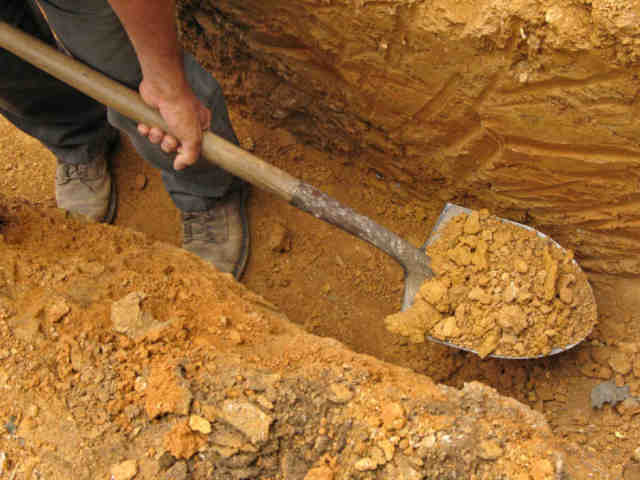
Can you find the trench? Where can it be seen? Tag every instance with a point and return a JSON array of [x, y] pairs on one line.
[[337, 286]]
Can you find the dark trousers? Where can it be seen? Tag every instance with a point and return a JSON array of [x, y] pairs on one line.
[[76, 128]]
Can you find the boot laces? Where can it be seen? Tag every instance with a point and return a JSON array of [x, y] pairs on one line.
[[209, 226]]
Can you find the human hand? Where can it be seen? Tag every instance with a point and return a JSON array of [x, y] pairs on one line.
[[186, 117]]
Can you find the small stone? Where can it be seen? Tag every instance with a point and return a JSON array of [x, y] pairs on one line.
[[433, 291], [393, 416], [388, 449], [365, 464], [490, 450], [247, 418], [377, 455], [166, 461], [178, 471], [167, 391], [229, 440], [512, 319], [636, 455], [141, 181], [629, 406], [57, 309], [279, 239], [447, 328], [27, 327], [472, 224], [32, 411], [210, 412], [182, 442], [264, 402], [510, 293], [125, 470], [340, 393], [490, 343], [293, 466], [235, 337], [199, 424], [608, 392], [566, 295], [480, 295], [319, 473], [520, 265], [91, 268], [140, 384], [620, 362], [126, 314]]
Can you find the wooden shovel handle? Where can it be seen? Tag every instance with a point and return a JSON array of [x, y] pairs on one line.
[[127, 102], [216, 150]]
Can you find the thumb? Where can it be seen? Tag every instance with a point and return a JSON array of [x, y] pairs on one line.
[[205, 118]]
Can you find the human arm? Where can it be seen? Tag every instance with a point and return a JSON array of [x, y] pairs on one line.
[[150, 25]]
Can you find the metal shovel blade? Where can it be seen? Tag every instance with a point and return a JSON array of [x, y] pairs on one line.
[[451, 211]]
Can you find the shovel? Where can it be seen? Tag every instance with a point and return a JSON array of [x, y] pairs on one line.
[[414, 261]]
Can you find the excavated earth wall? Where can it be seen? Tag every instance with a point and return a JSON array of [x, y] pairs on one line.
[[527, 107]]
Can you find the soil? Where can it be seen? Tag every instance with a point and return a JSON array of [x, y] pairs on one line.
[[74, 402], [499, 290], [330, 284], [127, 358]]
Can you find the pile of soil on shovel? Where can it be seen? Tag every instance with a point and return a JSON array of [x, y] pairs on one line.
[[499, 289]]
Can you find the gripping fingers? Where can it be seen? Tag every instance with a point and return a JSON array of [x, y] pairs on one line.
[[169, 144]]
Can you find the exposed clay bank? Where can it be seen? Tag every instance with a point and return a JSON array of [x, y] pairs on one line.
[[528, 108]]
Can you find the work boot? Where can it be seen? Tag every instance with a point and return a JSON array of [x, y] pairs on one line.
[[87, 189], [220, 235]]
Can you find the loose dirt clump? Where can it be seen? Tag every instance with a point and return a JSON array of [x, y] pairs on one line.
[[500, 289]]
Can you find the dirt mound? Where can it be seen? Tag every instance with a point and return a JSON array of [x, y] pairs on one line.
[[500, 289], [124, 357]]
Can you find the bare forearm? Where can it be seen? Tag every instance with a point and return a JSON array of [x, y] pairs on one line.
[[150, 25]]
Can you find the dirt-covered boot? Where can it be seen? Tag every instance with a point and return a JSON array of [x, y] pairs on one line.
[[87, 189], [220, 235]]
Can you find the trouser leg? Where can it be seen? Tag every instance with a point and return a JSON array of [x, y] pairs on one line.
[[71, 125], [92, 33], [194, 188]]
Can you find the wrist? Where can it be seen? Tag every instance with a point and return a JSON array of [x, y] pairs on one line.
[[164, 84]]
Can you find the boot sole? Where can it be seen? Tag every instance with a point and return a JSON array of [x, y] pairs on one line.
[[246, 240], [113, 194], [113, 203]]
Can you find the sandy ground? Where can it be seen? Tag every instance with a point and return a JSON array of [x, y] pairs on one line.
[[336, 286]]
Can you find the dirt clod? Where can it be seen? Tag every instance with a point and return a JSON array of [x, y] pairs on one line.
[[199, 424], [490, 450], [280, 239], [125, 470], [141, 181], [167, 391], [248, 419], [182, 442]]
